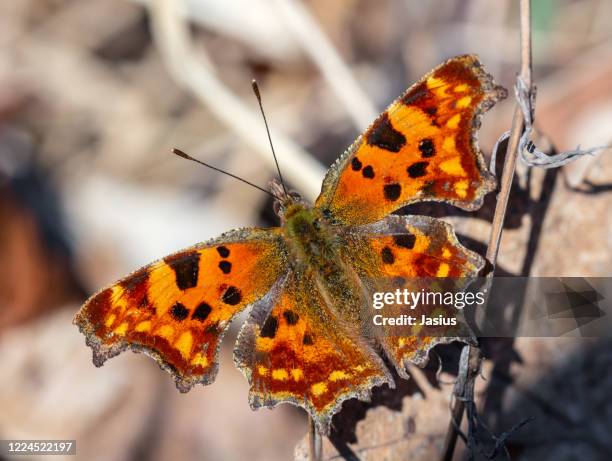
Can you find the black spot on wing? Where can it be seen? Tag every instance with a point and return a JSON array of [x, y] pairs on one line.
[[392, 191], [225, 266], [431, 111], [427, 148], [223, 251], [185, 266], [179, 312], [368, 172], [291, 317], [269, 327], [383, 135], [424, 99], [201, 312], [418, 169], [387, 255], [356, 164], [307, 341], [429, 189], [232, 296], [405, 240]]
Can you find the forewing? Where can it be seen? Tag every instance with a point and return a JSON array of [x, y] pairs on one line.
[[423, 147], [177, 309], [414, 253], [292, 349]]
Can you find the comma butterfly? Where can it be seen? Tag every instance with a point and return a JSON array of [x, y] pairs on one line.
[[309, 283]]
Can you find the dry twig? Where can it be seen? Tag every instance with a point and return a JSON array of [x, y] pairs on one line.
[[172, 36], [337, 74], [518, 124]]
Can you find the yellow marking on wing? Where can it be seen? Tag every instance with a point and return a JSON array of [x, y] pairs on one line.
[[453, 122], [422, 241], [337, 375], [433, 82], [453, 167], [449, 144], [443, 270], [121, 330], [143, 326], [461, 188], [297, 374], [464, 102], [401, 342], [278, 395], [280, 374], [318, 389], [163, 289], [263, 371], [166, 331], [116, 293], [200, 360], [109, 320], [264, 344], [461, 88], [446, 253], [358, 368], [117, 299], [184, 343]]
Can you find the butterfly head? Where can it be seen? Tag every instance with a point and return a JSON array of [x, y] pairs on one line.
[[284, 200]]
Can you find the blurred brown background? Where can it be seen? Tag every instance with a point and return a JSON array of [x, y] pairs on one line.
[[95, 93]]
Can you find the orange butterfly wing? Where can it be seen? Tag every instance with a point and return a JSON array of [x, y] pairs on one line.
[[423, 147], [177, 309], [409, 252], [294, 349]]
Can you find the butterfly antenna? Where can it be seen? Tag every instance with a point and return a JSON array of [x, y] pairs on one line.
[[263, 114], [180, 153]]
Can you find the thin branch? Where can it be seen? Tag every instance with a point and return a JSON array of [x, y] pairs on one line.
[[172, 37], [260, 29], [500, 212], [518, 125], [314, 441], [335, 71]]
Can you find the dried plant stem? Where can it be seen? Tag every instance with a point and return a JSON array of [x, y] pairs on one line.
[[338, 75], [500, 211], [314, 441], [513, 142], [171, 33]]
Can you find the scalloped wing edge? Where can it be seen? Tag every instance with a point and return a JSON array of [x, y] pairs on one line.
[[421, 357], [101, 353], [493, 93], [322, 419]]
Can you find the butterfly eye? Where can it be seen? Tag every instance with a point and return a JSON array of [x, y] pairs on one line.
[[295, 195]]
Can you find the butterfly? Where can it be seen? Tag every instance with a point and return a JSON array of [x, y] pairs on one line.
[[309, 339]]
